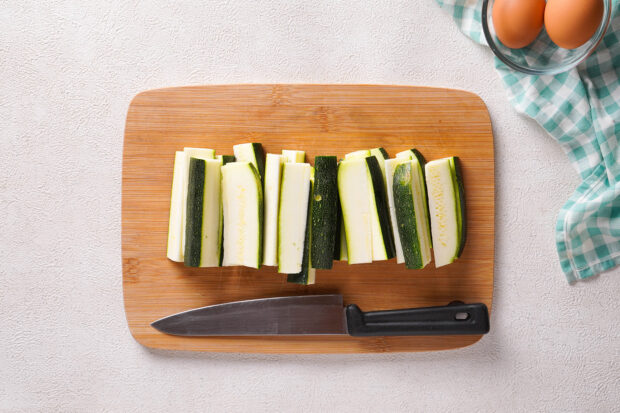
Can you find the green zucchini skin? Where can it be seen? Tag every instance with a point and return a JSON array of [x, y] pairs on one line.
[[225, 160], [261, 216], [336, 254], [303, 276], [418, 156], [259, 153], [195, 196], [422, 162], [340, 232], [343, 240], [405, 216], [324, 211], [460, 202], [382, 205], [384, 153], [381, 155]]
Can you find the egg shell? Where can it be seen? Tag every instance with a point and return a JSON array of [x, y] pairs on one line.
[[517, 23], [571, 23]]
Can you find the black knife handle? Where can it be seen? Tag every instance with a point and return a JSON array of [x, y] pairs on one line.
[[427, 321]]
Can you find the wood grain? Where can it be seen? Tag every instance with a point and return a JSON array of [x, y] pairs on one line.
[[322, 120]]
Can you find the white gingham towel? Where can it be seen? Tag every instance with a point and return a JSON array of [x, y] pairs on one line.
[[581, 109]]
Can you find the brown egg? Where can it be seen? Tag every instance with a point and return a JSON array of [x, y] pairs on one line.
[[518, 22], [571, 23]]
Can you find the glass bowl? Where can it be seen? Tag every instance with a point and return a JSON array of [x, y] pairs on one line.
[[542, 57]]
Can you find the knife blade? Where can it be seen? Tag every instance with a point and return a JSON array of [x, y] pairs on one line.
[[322, 315]]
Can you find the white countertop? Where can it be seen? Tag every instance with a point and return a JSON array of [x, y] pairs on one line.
[[68, 73]]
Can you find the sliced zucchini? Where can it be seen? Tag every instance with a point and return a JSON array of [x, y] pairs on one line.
[[415, 154], [336, 254], [307, 275], [457, 176], [382, 237], [405, 154], [273, 173], [293, 216], [293, 156], [343, 252], [203, 244], [355, 190], [340, 246], [324, 211], [381, 155], [253, 153], [175, 224], [363, 153], [198, 153], [410, 154], [226, 158], [390, 168], [242, 199], [446, 203], [409, 201]]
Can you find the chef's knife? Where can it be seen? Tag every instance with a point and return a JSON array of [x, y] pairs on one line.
[[323, 315]]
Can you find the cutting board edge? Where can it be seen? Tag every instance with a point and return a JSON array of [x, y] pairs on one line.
[[334, 87], [304, 348], [318, 86]]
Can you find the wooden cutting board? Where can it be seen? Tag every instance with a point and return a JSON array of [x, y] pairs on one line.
[[322, 120]]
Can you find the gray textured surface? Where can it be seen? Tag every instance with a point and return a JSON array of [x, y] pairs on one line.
[[69, 72]]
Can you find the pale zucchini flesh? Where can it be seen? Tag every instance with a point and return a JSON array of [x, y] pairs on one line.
[[212, 215], [414, 154], [457, 177], [242, 201], [420, 204], [253, 153], [293, 216], [294, 156], [405, 154], [382, 237], [204, 218], [343, 253], [355, 192], [175, 224], [378, 251], [273, 174], [244, 152], [409, 200], [198, 153], [307, 275], [442, 201], [362, 153], [390, 167], [225, 159]]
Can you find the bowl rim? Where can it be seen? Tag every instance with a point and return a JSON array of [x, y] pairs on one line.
[[602, 29]]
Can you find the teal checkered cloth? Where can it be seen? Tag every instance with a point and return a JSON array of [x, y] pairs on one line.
[[581, 109]]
